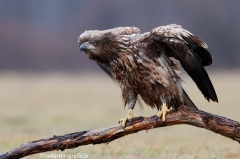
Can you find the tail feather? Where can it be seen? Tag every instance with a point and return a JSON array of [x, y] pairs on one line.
[[187, 101]]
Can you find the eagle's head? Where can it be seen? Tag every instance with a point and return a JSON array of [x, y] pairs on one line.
[[99, 46], [104, 44]]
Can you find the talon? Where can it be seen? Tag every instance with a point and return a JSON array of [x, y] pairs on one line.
[[123, 121], [163, 112], [130, 120], [157, 119], [127, 118], [123, 128]]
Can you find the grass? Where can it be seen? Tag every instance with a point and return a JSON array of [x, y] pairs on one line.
[[35, 106]]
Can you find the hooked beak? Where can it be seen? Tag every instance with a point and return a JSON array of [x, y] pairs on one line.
[[87, 46], [83, 47]]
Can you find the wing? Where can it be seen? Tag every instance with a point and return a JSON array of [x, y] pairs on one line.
[[189, 50]]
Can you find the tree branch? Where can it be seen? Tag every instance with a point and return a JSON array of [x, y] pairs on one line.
[[184, 115]]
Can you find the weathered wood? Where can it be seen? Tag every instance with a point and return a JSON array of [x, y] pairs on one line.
[[184, 115]]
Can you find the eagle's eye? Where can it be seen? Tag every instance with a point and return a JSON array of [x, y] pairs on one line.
[[92, 42]]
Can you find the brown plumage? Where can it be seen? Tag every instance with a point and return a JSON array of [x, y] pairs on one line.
[[142, 64]]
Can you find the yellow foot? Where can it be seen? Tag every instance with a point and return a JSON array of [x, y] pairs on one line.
[[127, 118], [163, 112]]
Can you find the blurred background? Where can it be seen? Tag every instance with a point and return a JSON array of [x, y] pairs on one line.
[[42, 35], [48, 87]]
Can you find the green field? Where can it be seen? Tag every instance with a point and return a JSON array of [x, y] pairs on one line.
[[35, 106]]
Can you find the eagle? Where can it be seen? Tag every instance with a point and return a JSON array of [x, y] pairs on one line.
[[147, 65]]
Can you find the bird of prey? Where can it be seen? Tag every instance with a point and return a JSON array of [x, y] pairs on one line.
[[145, 64]]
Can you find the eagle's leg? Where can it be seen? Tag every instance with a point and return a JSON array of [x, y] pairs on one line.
[[129, 98], [163, 112]]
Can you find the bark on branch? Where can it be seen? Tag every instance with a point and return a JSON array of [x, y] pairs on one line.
[[184, 115]]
